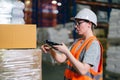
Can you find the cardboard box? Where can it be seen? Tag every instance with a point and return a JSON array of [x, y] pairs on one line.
[[17, 36]]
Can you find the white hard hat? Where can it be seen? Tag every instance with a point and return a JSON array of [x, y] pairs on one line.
[[87, 14]]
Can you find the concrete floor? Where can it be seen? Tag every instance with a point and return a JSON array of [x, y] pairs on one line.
[[52, 72], [56, 72]]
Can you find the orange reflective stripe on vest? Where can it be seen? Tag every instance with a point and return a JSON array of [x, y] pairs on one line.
[[70, 72]]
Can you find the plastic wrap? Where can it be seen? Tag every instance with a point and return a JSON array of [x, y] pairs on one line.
[[5, 21], [5, 12], [17, 13], [11, 12], [20, 64], [18, 4], [5, 7], [17, 20]]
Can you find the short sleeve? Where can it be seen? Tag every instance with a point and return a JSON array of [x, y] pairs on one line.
[[92, 55]]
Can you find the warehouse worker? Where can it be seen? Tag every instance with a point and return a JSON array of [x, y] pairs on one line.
[[84, 58]]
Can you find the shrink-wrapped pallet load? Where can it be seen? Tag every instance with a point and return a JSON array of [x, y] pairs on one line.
[[17, 13], [11, 12], [5, 12], [20, 64], [19, 57]]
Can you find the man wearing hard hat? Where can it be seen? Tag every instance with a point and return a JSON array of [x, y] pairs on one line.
[[84, 58]]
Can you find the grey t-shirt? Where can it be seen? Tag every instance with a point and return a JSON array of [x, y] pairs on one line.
[[92, 55]]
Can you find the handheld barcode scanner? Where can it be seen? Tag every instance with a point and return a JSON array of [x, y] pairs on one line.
[[50, 43]]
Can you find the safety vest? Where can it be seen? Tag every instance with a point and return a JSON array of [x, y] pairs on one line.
[[72, 74]]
